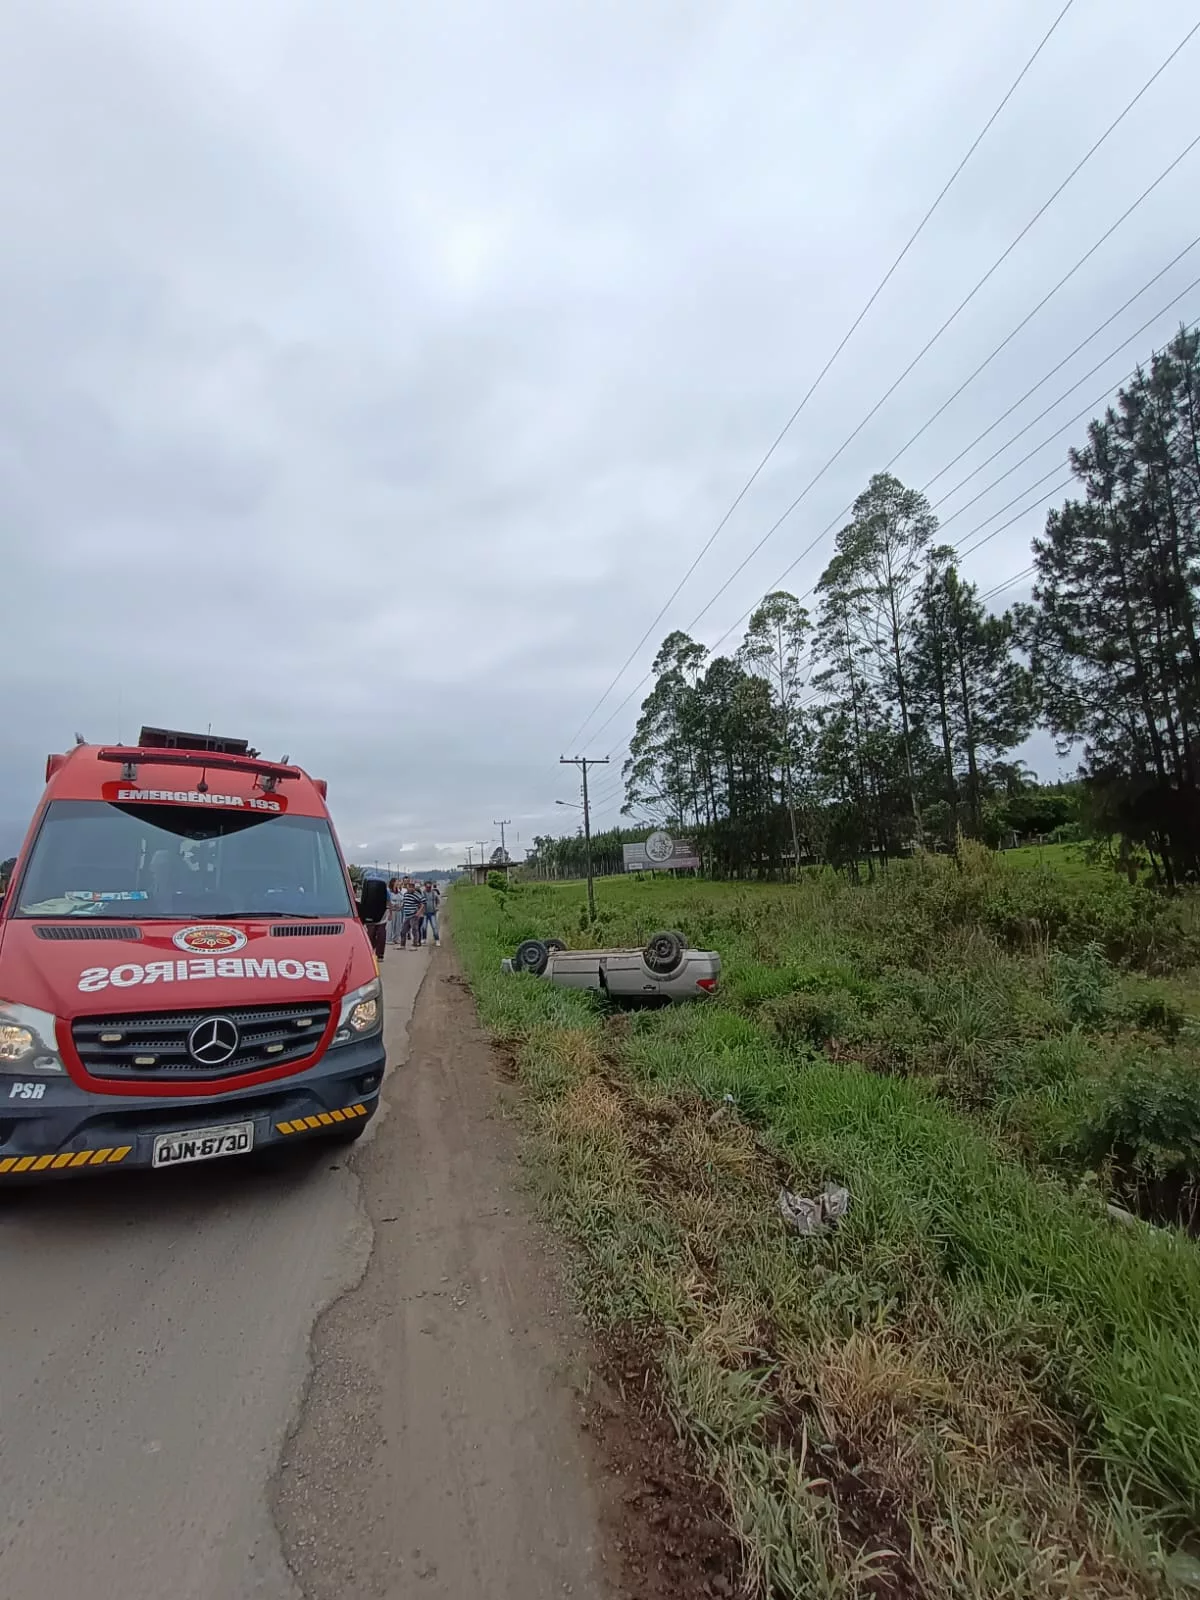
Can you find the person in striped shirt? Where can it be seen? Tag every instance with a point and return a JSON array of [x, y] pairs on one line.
[[411, 908]]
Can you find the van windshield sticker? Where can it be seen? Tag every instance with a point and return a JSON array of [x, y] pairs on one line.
[[198, 969], [90, 896], [191, 797]]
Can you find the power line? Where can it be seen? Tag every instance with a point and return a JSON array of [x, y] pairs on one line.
[[1045, 412], [1087, 410], [849, 334], [1049, 494], [929, 344], [1082, 345], [990, 594], [1047, 297], [1041, 500], [780, 520], [1055, 472], [1017, 577], [1020, 433]]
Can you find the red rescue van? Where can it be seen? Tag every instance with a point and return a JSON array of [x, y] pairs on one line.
[[183, 971]]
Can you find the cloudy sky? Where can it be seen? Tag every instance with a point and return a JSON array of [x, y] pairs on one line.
[[371, 373]]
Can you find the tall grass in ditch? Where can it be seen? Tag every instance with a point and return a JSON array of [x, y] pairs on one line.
[[980, 1385]]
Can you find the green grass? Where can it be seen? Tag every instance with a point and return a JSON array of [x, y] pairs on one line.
[[980, 1384], [1068, 860]]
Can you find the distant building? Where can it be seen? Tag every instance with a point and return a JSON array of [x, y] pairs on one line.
[[477, 872]]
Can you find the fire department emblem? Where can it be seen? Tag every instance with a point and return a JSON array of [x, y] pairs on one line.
[[209, 938]]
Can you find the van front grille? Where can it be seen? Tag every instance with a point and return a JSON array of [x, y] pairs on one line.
[[157, 1045]]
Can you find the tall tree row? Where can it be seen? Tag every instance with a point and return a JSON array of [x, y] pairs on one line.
[[848, 737], [885, 719]]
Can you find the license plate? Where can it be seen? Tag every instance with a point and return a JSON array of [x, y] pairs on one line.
[[203, 1144]]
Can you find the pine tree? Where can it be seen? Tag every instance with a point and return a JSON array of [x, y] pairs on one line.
[[967, 684], [1113, 629]]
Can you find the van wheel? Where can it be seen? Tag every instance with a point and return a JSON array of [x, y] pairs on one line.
[[532, 956], [664, 953]]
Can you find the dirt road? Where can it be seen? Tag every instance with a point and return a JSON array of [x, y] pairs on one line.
[[439, 1453], [154, 1353]]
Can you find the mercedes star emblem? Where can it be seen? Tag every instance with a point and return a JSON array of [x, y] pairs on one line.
[[213, 1041]]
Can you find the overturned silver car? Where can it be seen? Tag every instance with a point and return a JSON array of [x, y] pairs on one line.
[[665, 970]]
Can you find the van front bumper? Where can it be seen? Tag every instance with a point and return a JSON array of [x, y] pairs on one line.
[[69, 1130]]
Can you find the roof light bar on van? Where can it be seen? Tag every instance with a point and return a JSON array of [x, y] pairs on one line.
[[176, 739], [130, 759]]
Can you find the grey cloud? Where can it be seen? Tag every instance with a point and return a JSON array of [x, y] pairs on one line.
[[370, 379]]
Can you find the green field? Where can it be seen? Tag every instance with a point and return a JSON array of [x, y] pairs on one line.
[[1068, 859], [980, 1384]]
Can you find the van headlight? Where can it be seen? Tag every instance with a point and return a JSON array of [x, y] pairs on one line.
[[27, 1040], [361, 1014]]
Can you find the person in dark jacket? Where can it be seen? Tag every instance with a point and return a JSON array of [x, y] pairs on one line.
[[373, 909], [431, 900]]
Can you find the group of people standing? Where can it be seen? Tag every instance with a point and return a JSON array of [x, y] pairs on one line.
[[413, 912]]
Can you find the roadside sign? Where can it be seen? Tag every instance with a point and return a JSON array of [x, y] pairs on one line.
[[661, 853]]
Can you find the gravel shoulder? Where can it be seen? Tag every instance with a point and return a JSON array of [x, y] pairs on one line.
[[439, 1449]]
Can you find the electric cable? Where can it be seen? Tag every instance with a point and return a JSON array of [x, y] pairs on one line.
[[786, 429]]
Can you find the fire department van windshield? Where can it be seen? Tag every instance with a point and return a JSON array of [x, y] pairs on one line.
[[183, 973], [135, 861]]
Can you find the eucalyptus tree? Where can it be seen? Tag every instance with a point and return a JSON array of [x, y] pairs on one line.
[[968, 684], [775, 647]]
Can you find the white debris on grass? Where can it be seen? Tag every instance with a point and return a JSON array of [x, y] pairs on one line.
[[810, 1217]]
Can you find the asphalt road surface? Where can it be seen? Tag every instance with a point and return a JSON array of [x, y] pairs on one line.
[[157, 1348]]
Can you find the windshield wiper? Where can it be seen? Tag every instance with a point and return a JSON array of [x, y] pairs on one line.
[[289, 916]]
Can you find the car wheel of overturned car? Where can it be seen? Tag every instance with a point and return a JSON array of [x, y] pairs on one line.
[[554, 944], [532, 956], [664, 953]]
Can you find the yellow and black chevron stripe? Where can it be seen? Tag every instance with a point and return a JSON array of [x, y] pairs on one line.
[[109, 1155], [323, 1119], [65, 1158]]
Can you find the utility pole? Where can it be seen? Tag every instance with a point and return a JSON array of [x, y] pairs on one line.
[[482, 848], [583, 763], [503, 846]]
